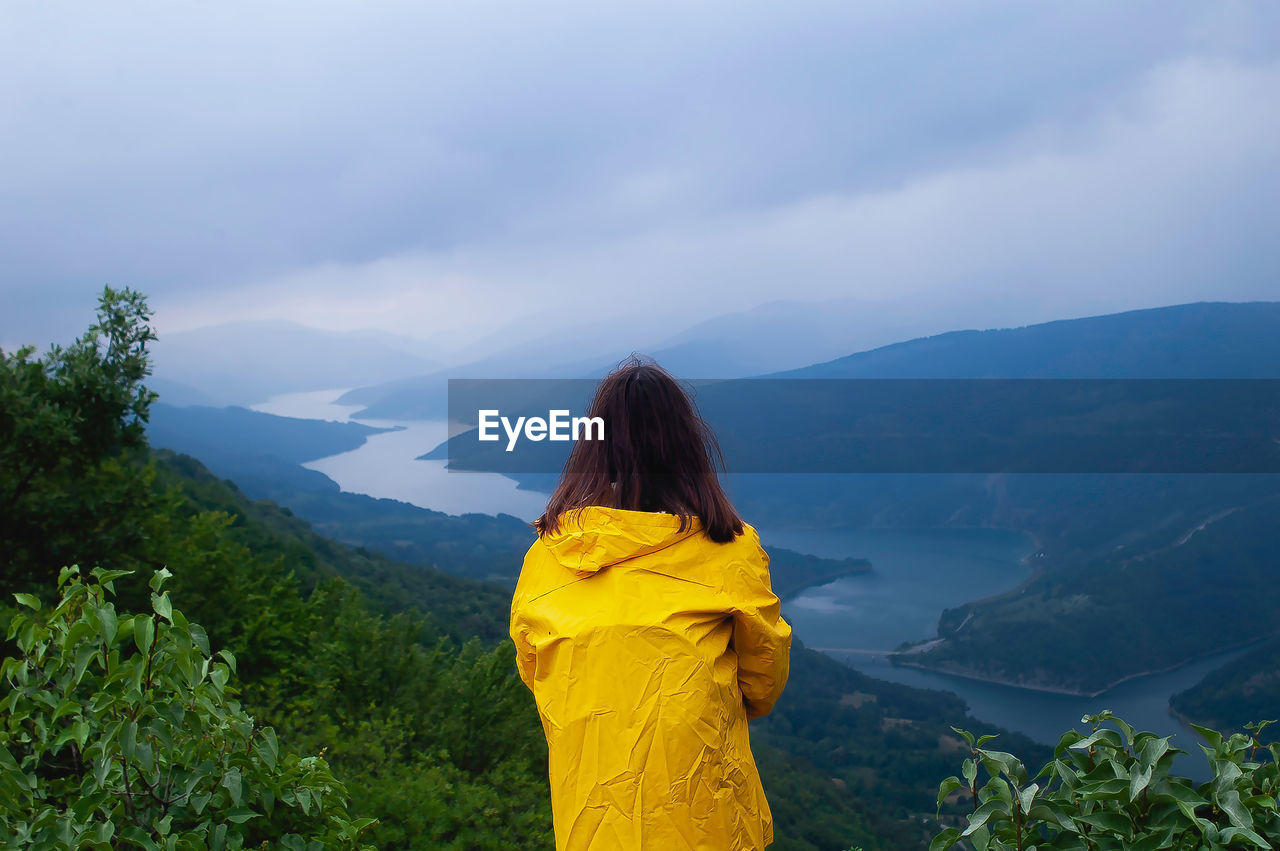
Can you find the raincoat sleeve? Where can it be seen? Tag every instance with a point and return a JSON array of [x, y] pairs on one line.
[[518, 629], [761, 638]]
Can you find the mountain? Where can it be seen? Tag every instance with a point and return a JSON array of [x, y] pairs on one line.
[[252, 433], [766, 338], [249, 361], [788, 334], [182, 395], [1200, 340]]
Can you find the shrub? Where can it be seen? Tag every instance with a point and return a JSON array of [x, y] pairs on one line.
[[1113, 789], [122, 731]]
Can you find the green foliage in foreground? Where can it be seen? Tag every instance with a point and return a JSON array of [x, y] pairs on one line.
[[121, 731], [1112, 789]]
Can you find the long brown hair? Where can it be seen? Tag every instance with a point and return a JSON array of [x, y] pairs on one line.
[[656, 456]]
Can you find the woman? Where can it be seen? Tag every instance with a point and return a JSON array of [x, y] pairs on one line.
[[646, 628]]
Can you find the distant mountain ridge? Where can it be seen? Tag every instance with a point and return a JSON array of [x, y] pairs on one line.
[[249, 433], [1198, 340], [767, 337]]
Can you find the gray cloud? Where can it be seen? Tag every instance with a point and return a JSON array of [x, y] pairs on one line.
[[469, 165]]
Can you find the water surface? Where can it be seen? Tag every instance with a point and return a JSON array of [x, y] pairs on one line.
[[917, 574], [386, 465]]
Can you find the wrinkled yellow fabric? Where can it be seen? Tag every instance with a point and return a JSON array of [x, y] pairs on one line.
[[647, 650]]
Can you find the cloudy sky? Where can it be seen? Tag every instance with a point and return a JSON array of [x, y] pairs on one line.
[[448, 170]]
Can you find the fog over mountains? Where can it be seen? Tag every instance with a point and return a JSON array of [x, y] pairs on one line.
[[246, 362], [394, 376]]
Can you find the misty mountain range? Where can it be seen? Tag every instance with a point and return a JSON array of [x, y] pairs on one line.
[[245, 363]]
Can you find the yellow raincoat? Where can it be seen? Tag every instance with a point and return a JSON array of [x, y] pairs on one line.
[[647, 650]]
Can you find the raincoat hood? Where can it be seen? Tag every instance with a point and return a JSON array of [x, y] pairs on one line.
[[596, 537]]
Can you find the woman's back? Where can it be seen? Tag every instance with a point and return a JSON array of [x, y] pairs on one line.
[[647, 649]]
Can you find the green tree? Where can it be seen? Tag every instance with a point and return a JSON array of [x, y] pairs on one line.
[[74, 485], [122, 731]]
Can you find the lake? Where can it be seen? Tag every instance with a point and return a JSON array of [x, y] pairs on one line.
[[386, 464], [916, 574]]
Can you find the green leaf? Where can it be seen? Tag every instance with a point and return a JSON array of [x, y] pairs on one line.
[[997, 762], [1230, 803], [1099, 736], [1232, 832], [1138, 781], [1213, 737], [144, 632], [106, 578], [231, 780], [1110, 821], [199, 637], [28, 600], [161, 606], [269, 749], [186, 668], [158, 578], [129, 739], [1026, 796], [108, 623], [1152, 750], [1125, 728], [66, 707], [944, 840], [983, 815], [85, 653]]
